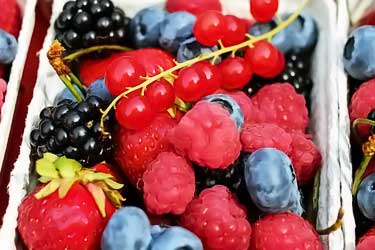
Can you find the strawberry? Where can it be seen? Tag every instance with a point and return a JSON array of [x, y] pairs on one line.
[[137, 148], [10, 18], [151, 59], [367, 241], [71, 207]]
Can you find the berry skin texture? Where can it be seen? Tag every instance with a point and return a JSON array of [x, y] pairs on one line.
[[279, 103], [3, 89], [218, 220], [63, 231], [160, 95], [145, 27], [134, 112], [137, 148], [263, 10], [195, 7], [365, 197], [174, 238], [287, 231], [234, 30], [367, 241], [359, 61], [242, 100], [176, 28], [236, 72], [207, 136], [270, 194], [208, 28], [10, 18], [8, 47], [129, 228], [362, 102], [306, 158], [190, 49], [99, 89], [264, 135], [168, 184]]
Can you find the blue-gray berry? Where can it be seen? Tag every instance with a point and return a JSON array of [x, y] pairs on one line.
[[8, 47]]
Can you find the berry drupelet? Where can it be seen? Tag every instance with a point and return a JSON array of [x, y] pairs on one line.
[[86, 23], [73, 129]]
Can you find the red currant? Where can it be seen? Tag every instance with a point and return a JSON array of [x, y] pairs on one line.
[[277, 68], [263, 58], [211, 74], [208, 28], [134, 112], [160, 95], [263, 10], [234, 31], [236, 72], [123, 73]]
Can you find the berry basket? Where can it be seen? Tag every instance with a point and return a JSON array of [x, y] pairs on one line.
[[328, 126], [24, 38]]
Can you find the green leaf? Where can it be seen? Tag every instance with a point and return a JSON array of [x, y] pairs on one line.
[[99, 197], [96, 176], [67, 168], [112, 184], [48, 189], [45, 167], [45, 179], [65, 186]]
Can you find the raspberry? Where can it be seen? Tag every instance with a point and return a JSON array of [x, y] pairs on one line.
[[287, 231], [218, 220], [367, 241], [363, 101], [168, 184], [207, 135], [305, 157], [137, 148], [2, 71], [10, 18], [264, 135], [242, 99], [280, 104]]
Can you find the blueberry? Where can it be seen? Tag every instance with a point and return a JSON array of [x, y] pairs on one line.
[[99, 89], [67, 95], [8, 47], [229, 104], [129, 228], [190, 49], [176, 28], [366, 197], [174, 238], [145, 27], [359, 59], [271, 181]]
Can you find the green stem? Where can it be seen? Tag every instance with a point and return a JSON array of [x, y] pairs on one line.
[[338, 223], [71, 88], [86, 51], [358, 122], [360, 172], [77, 82]]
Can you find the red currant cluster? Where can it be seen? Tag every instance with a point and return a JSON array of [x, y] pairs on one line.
[[190, 81]]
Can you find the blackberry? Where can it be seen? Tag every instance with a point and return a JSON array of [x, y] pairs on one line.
[[296, 72], [73, 129], [86, 23]]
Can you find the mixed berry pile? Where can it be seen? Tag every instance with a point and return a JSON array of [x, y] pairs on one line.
[[359, 62], [204, 118]]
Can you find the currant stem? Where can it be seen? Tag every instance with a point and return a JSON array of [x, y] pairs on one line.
[[360, 172], [338, 224], [361, 121], [71, 88], [282, 25], [77, 82], [86, 51]]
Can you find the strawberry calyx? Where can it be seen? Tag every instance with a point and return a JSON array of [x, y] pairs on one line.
[[61, 173]]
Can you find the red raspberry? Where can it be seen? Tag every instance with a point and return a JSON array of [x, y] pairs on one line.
[[137, 148], [10, 18], [284, 232], [2, 71], [264, 135], [243, 100], [279, 103], [195, 7], [367, 241], [207, 135], [305, 157], [363, 101], [218, 220], [168, 184]]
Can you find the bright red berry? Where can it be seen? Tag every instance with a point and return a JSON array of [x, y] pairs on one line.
[[135, 112], [236, 72], [367, 241], [195, 7], [234, 31], [122, 73], [265, 59], [208, 28], [211, 74], [263, 10], [11, 17], [161, 95]]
